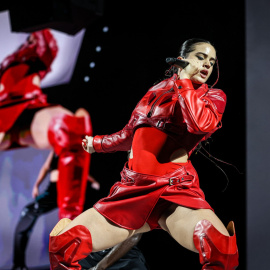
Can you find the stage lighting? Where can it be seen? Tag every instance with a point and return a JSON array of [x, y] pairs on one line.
[[105, 29], [98, 49], [92, 64]]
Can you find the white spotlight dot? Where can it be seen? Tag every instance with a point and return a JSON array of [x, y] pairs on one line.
[[86, 78], [98, 49], [92, 64], [105, 29]]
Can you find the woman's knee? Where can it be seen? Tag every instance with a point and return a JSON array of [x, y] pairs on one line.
[[207, 214], [180, 223], [188, 218]]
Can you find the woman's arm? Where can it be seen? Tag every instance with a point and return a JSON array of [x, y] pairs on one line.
[[119, 141], [202, 115], [42, 174], [94, 183]]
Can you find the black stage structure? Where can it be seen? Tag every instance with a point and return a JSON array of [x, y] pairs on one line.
[[127, 44]]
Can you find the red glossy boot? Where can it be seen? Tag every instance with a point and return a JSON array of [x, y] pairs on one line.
[[67, 249], [65, 135], [217, 251]]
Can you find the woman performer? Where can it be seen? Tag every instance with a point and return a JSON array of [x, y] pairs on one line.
[[159, 187]]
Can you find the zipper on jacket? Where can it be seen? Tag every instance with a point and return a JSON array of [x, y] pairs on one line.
[[149, 114]]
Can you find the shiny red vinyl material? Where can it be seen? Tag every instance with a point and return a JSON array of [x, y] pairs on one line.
[[38, 52], [187, 116], [67, 249], [217, 251], [131, 201], [65, 135], [173, 106], [17, 71]]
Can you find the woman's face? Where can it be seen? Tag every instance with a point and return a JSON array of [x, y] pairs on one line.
[[205, 54]]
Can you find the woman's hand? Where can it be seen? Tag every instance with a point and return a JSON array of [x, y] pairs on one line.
[[94, 183], [191, 69], [35, 191], [87, 144]]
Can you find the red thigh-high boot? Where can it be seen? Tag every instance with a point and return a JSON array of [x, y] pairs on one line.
[[217, 251], [65, 135], [67, 249]]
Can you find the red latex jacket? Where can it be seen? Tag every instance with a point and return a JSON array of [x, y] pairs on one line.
[[16, 77], [187, 115], [43, 49]]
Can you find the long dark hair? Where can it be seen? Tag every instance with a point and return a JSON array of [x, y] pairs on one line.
[[189, 46]]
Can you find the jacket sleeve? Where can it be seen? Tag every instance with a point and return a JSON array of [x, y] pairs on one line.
[[39, 54], [119, 141], [201, 114]]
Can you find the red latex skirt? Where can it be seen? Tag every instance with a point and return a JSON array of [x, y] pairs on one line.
[[19, 94], [140, 198]]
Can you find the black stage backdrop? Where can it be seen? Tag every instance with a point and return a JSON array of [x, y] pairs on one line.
[[131, 57]]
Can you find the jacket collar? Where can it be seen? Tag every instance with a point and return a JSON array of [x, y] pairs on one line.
[[202, 88]]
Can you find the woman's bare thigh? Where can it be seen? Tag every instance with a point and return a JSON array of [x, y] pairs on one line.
[[40, 126], [4, 141], [180, 223], [36, 134], [104, 233]]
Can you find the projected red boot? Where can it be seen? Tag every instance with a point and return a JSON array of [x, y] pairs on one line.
[[65, 134]]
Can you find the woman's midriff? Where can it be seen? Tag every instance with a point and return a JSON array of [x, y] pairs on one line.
[[154, 152]]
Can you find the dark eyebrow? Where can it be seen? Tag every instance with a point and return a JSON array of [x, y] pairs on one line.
[[207, 55]]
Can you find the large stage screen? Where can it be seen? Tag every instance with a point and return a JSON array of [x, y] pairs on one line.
[[19, 168], [64, 64]]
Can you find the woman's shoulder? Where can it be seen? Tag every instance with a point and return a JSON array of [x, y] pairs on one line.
[[218, 97], [217, 92], [163, 84]]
